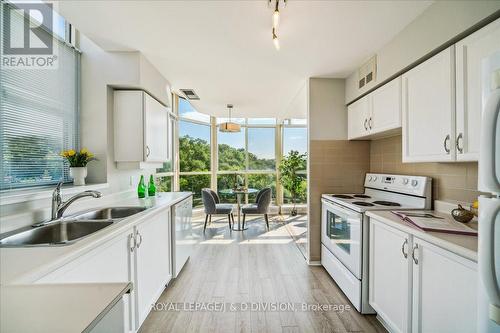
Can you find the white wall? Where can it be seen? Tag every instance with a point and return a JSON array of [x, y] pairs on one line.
[[327, 113], [439, 23]]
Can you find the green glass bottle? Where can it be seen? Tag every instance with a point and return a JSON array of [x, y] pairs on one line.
[[151, 186], [141, 188]]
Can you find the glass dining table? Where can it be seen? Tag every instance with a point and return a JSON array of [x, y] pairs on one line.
[[239, 195]]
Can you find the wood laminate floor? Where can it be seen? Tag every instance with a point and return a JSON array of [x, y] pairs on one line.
[[255, 268]]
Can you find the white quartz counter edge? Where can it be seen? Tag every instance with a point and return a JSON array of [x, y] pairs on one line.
[[27, 265], [430, 237]]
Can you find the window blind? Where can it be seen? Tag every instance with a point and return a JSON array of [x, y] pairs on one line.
[[38, 119]]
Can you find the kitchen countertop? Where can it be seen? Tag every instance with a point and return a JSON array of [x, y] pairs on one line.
[[72, 307], [28, 264], [465, 246]]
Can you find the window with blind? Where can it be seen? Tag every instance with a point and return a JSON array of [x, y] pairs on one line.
[[38, 118]]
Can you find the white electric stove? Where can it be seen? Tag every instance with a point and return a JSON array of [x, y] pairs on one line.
[[344, 227]]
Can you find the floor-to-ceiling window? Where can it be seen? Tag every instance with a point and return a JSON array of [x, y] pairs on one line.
[[207, 157], [247, 157], [194, 150], [294, 138]]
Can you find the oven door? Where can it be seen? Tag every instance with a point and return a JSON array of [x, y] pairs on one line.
[[341, 233]]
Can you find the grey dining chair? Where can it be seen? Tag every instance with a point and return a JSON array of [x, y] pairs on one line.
[[212, 205], [261, 205]]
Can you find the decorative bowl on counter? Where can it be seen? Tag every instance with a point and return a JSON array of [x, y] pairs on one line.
[[461, 214]]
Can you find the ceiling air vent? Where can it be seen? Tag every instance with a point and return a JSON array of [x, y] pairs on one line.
[[190, 94], [367, 72]]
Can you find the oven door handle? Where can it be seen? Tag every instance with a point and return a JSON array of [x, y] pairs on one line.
[[341, 211]]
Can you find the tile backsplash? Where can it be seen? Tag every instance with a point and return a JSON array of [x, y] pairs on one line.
[[451, 181]]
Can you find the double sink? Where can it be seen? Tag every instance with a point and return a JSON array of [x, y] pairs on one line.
[[68, 230]]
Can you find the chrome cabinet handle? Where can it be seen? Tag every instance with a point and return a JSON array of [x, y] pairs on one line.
[[460, 138], [445, 144], [366, 127], [415, 259], [140, 239], [405, 253], [132, 242], [148, 151], [370, 123]]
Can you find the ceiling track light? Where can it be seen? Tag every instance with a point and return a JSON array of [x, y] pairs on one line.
[[276, 21], [276, 41]]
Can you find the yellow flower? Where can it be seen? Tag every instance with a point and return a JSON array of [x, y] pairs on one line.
[[84, 151], [71, 152], [64, 153]]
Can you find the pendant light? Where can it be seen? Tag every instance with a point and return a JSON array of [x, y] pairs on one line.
[[229, 126]]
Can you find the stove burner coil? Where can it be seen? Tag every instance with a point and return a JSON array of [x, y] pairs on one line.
[[386, 203], [342, 196], [363, 203], [364, 196]]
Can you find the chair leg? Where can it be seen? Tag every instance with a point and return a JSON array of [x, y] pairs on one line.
[[232, 218], [229, 220], [205, 226], [267, 220], [210, 219], [243, 225]]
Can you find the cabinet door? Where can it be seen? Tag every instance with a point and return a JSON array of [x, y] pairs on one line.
[[155, 130], [429, 110], [389, 276], [472, 84], [152, 255], [357, 118], [444, 291], [386, 107], [110, 262]]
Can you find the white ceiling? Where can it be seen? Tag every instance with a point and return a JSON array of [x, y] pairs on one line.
[[223, 49]]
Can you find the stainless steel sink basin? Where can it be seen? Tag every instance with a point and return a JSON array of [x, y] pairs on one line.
[[56, 233], [109, 213]]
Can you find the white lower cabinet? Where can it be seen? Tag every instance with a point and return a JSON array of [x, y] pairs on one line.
[[444, 291], [416, 286], [390, 279], [140, 255], [152, 262]]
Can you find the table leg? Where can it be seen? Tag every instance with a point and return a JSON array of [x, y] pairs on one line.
[[238, 200]]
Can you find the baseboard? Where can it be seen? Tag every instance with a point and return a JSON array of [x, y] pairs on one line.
[[314, 262], [382, 321]]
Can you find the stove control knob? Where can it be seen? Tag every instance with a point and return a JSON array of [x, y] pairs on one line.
[[370, 178], [374, 178], [414, 183], [406, 181]]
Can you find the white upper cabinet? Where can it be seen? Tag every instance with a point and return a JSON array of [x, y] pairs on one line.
[[376, 114], [386, 107], [429, 110], [470, 53], [140, 130], [156, 130], [357, 118]]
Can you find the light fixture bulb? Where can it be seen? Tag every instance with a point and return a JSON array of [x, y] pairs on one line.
[[276, 19], [276, 42]]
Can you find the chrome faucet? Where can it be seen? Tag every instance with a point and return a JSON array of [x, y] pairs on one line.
[[59, 207]]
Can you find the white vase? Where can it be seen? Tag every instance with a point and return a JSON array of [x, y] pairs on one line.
[[78, 174]]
